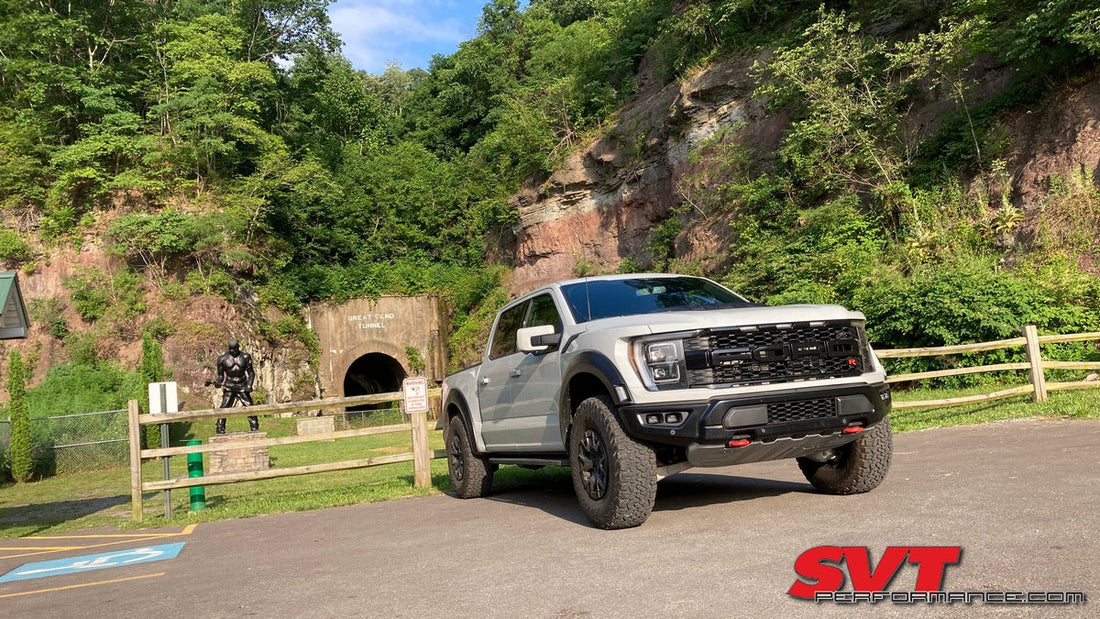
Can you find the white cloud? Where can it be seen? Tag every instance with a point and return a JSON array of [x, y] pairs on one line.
[[376, 32]]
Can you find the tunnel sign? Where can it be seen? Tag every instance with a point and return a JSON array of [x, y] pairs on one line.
[[416, 395]]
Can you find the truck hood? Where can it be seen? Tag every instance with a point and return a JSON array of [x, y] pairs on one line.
[[665, 322]]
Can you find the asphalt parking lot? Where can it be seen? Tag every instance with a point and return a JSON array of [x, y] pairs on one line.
[[1020, 498]]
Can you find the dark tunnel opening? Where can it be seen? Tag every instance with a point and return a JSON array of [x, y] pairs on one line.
[[373, 373]]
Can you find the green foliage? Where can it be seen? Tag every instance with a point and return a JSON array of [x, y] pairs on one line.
[[851, 98], [90, 294], [966, 301], [246, 158], [13, 247], [48, 312], [83, 347], [152, 238], [97, 295], [217, 283], [83, 388], [1070, 217], [22, 449], [630, 264], [416, 361], [292, 326], [469, 333], [662, 242], [158, 329], [151, 370]]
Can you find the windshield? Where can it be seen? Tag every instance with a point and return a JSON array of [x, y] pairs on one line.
[[592, 300]]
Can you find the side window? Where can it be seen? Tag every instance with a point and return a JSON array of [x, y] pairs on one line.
[[504, 338], [543, 312]]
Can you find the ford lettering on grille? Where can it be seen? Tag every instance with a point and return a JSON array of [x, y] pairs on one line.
[[771, 354]]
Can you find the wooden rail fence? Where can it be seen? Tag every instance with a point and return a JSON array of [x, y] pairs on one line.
[[420, 455], [1035, 365]]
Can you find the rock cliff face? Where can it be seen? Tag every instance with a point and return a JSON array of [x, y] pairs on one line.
[[601, 206]]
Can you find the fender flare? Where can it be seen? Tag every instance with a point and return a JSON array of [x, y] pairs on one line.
[[597, 365], [456, 398]]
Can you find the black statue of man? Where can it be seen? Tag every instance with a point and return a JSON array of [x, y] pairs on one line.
[[235, 377]]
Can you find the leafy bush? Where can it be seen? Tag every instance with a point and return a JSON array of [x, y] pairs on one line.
[[90, 294], [83, 388], [48, 312], [13, 247], [96, 295], [968, 302]]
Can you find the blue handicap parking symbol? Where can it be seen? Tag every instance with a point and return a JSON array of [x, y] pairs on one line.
[[72, 565]]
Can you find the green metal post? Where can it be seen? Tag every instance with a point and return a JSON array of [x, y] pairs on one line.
[[194, 469]]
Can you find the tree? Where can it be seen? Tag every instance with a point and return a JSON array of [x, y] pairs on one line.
[[22, 449], [848, 131], [151, 369]]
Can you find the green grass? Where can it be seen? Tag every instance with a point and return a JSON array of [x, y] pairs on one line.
[[1083, 404], [101, 499]]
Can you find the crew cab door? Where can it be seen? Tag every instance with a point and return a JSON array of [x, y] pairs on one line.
[[519, 391], [536, 385], [493, 385]]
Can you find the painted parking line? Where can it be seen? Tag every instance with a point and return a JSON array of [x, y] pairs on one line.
[[27, 547], [73, 565], [79, 586]]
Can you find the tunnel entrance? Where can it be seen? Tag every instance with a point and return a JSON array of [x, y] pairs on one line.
[[373, 373]]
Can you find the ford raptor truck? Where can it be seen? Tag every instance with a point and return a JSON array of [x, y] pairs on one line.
[[627, 379]]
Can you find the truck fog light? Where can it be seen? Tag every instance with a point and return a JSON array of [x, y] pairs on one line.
[[653, 419], [672, 418]]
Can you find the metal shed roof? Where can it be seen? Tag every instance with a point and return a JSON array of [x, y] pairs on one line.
[[13, 313]]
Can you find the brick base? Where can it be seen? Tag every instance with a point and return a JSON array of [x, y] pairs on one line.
[[238, 460]]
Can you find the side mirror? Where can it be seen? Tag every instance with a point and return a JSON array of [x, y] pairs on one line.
[[537, 339]]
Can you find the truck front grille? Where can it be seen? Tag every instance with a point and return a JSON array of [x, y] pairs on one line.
[[775, 354]]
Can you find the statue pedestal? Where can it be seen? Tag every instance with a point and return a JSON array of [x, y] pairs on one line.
[[240, 459]]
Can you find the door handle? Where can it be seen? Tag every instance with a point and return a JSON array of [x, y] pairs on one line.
[[517, 372]]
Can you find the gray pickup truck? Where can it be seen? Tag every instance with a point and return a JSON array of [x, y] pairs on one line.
[[627, 379]]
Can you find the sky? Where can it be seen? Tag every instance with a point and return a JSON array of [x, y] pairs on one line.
[[408, 32]]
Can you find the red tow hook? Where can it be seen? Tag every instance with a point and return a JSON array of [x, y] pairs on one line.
[[743, 442], [853, 429]]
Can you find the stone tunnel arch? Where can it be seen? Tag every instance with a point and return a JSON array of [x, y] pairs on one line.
[[371, 345]]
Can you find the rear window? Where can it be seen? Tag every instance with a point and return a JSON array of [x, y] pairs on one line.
[[593, 300]]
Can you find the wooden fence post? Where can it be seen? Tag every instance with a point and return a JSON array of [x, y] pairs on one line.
[[1035, 361], [422, 455], [134, 408]]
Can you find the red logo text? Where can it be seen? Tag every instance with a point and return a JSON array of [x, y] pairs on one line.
[[823, 568]]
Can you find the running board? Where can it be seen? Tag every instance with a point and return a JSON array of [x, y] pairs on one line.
[[531, 461]]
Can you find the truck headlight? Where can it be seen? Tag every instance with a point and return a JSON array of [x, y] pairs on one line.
[[660, 363]]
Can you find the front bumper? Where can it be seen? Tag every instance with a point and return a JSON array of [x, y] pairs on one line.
[[777, 424]]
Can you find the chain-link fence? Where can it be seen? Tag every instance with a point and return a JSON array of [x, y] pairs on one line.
[[80, 442], [379, 416]]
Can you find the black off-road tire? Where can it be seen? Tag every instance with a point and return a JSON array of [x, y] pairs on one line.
[[859, 466], [614, 476], [471, 475]]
